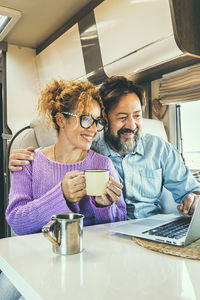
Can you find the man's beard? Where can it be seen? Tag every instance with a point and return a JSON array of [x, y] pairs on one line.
[[122, 147]]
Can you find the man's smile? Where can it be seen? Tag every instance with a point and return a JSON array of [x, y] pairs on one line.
[[127, 133]]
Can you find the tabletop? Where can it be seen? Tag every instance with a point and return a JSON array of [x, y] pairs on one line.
[[111, 266]]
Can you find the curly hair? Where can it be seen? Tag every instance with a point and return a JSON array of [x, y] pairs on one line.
[[113, 88], [66, 96]]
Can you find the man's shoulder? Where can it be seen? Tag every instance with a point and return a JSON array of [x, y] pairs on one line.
[[157, 144], [99, 145], [149, 138]]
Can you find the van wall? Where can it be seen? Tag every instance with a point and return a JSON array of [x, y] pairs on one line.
[[126, 45], [167, 116], [22, 86], [155, 95], [118, 37], [62, 59], [28, 72]]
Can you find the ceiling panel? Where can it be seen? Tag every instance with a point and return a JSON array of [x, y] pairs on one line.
[[40, 19]]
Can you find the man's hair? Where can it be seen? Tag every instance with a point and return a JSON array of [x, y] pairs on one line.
[[113, 88]]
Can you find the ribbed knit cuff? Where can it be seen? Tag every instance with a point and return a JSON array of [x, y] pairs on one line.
[[105, 214]]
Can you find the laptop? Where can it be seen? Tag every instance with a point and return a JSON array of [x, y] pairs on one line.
[[173, 229]]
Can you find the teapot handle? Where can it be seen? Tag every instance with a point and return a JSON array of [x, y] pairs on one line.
[[46, 232]]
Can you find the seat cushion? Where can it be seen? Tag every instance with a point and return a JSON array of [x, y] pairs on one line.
[[45, 135]]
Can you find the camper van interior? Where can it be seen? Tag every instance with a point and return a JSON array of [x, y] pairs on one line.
[[156, 44]]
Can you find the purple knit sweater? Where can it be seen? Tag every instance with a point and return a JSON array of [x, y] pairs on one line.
[[36, 194]]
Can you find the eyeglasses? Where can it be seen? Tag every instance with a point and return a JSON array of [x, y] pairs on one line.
[[86, 121]]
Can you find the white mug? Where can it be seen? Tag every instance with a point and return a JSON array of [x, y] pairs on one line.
[[96, 181]]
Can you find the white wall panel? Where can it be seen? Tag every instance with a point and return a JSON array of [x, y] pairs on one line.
[[22, 86], [147, 57], [125, 26], [62, 59]]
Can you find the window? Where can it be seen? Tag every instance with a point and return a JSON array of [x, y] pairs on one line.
[[3, 22], [8, 18], [190, 124]]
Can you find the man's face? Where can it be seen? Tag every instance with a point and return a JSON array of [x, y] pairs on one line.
[[125, 121]]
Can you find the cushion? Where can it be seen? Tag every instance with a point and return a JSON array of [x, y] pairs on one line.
[[154, 127], [45, 135]]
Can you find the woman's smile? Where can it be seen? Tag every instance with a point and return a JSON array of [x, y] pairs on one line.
[[88, 137]]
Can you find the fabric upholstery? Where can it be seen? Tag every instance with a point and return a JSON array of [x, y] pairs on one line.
[[154, 127]]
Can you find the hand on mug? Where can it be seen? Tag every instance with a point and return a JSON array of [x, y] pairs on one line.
[[73, 186], [113, 192]]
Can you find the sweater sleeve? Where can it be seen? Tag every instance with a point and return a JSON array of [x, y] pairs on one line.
[[26, 215], [114, 212]]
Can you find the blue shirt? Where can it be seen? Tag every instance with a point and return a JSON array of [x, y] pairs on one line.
[[153, 164]]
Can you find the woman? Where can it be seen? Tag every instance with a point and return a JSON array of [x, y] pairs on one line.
[[53, 182]]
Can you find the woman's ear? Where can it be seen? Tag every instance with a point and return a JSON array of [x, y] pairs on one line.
[[60, 120]]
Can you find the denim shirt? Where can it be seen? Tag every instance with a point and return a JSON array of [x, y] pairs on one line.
[[153, 164]]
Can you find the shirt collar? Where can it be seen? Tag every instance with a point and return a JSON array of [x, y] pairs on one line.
[[140, 146]]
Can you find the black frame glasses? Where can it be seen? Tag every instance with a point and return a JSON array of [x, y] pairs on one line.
[[86, 121]]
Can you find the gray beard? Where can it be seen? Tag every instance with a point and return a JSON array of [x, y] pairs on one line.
[[128, 147], [123, 148]]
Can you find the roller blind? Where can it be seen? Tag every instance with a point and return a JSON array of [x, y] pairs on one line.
[[180, 86]]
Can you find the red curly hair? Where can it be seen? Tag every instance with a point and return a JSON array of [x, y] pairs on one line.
[[61, 95]]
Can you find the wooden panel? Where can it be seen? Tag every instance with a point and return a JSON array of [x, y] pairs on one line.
[[186, 24], [156, 72], [3, 46]]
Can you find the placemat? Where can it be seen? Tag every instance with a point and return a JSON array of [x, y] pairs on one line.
[[191, 251]]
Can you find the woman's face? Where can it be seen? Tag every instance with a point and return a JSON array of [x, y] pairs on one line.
[[77, 137]]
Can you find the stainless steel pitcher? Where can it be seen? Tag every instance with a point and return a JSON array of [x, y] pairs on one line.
[[65, 231]]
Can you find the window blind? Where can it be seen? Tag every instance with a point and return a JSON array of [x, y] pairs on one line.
[[180, 86]]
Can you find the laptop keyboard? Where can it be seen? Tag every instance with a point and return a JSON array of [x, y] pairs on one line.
[[176, 229]]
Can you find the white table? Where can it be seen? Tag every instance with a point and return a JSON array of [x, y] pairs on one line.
[[111, 267]]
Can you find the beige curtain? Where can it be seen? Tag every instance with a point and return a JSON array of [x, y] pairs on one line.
[[180, 86]]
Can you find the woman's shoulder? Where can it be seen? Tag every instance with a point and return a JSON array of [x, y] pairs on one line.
[[47, 151], [99, 158], [97, 155], [42, 154]]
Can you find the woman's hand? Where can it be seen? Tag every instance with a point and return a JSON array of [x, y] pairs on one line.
[[113, 192], [73, 186], [20, 157]]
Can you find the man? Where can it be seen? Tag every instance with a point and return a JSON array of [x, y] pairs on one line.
[[145, 163]]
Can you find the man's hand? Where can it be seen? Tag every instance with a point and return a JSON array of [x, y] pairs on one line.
[[20, 157], [189, 204], [113, 192]]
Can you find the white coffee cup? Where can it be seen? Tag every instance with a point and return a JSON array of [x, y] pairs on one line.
[[96, 181]]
